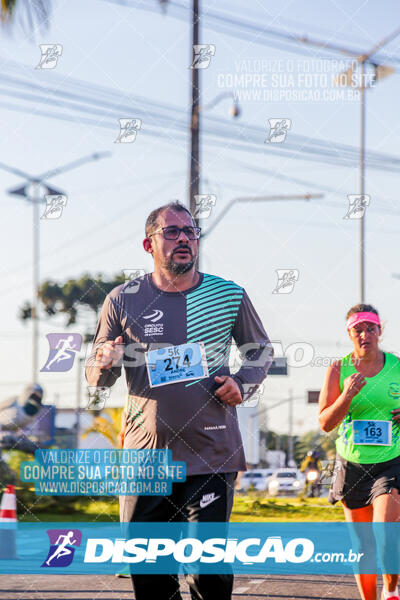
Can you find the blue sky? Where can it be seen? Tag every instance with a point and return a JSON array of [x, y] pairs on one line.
[[144, 56]]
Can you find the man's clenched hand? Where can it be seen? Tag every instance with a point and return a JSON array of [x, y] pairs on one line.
[[229, 391], [110, 353]]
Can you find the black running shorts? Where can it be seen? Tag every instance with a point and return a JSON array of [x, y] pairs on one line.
[[359, 484]]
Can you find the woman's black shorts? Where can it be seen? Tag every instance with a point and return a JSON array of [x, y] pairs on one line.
[[359, 484]]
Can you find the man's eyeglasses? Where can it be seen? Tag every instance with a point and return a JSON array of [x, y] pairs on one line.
[[173, 232]]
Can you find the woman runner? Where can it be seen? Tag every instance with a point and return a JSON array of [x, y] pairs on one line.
[[361, 393]]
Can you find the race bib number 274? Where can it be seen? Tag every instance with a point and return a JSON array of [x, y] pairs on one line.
[[175, 364]]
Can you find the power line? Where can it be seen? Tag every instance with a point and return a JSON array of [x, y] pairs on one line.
[[167, 115], [176, 119], [299, 152], [240, 28], [260, 14], [112, 101]]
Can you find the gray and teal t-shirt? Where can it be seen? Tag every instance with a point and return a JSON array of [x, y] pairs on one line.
[[185, 417]]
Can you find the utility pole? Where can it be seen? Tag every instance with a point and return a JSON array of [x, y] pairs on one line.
[[35, 199], [194, 182], [362, 183], [195, 118], [266, 425], [290, 438], [78, 401]]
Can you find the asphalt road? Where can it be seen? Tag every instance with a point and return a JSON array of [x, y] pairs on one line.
[[108, 587]]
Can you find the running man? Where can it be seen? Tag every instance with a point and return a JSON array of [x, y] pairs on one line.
[[62, 346], [361, 394], [194, 417], [62, 549]]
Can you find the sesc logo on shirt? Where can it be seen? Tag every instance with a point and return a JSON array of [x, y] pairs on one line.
[[394, 390], [153, 327]]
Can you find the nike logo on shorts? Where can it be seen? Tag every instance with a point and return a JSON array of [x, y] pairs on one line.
[[208, 499]]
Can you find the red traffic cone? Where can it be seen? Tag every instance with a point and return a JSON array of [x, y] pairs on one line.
[[8, 507], [8, 533]]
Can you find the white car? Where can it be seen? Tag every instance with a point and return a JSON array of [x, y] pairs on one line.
[[285, 482], [258, 478]]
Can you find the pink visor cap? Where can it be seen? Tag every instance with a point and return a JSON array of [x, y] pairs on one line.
[[361, 317]]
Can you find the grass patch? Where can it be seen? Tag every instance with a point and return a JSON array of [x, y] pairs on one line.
[[252, 507], [255, 506], [81, 510]]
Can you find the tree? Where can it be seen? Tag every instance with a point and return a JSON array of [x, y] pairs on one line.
[[75, 294], [7, 475], [322, 442], [31, 14], [274, 441], [7, 8]]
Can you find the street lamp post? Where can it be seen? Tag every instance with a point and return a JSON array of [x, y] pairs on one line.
[[347, 79], [381, 71], [34, 191], [235, 108], [276, 198]]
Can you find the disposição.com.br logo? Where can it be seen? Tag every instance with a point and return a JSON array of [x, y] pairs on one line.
[[62, 547]]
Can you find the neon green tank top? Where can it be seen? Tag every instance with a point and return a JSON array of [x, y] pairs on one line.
[[377, 398]]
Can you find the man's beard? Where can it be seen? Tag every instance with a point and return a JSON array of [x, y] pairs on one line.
[[178, 268]]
